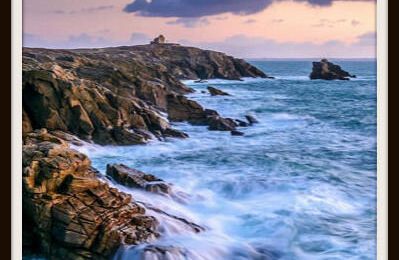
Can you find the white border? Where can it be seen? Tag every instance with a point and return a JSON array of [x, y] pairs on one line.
[[382, 129], [16, 130]]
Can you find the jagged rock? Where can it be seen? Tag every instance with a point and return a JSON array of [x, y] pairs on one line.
[[221, 124], [251, 119], [129, 177], [180, 108], [159, 40], [328, 71], [68, 212], [236, 133], [114, 95], [216, 92], [242, 123]]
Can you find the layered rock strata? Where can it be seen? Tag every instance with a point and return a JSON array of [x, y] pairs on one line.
[[68, 212], [118, 95]]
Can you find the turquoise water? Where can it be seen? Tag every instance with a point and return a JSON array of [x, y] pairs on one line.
[[301, 184]]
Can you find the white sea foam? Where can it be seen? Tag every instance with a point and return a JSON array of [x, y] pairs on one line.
[[244, 80], [298, 185]]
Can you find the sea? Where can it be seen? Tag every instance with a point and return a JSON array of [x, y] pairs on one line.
[[300, 184]]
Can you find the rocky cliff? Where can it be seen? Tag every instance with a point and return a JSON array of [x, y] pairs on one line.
[[118, 95], [68, 212], [124, 96]]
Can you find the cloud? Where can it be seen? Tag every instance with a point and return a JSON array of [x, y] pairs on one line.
[[195, 8], [259, 47], [277, 20], [86, 10], [190, 22], [249, 21], [237, 45], [139, 38], [83, 40], [220, 18], [367, 39], [329, 23]]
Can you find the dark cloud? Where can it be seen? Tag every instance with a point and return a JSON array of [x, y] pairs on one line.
[[196, 8], [190, 22]]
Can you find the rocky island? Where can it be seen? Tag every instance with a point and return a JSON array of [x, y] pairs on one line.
[[110, 96], [329, 71]]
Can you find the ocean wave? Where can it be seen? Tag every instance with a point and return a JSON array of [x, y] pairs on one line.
[[244, 80]]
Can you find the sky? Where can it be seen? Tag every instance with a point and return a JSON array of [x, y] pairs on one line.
[[242, 28]]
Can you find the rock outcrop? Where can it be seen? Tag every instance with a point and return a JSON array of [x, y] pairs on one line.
[[136, 179], [117, 95], [328, 71], [182, 109], [236, 133], [123, 95], [216, 92], [251, 119], [68, 212]]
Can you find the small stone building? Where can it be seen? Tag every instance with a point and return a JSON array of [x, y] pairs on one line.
[[159, 40]]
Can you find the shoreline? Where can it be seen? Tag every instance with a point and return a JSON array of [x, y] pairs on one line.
[[65, 94]]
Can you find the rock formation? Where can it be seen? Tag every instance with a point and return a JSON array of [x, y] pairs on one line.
[[120, 96], [117, 95], [251, 119], [237, 133], [328, 71], [136, 179], [68, 212], [216, 92]]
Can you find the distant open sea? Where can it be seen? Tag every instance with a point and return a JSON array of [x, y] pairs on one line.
[[301, 184]]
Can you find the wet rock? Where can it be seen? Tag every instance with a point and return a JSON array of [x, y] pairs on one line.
[[125, 136], [221, 124], [175, 133], [113, 95], [236, 133], [329, 71], [181, 108], [216, 92], [129, 177], [241, 123], [72, 214], [251, 119]]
